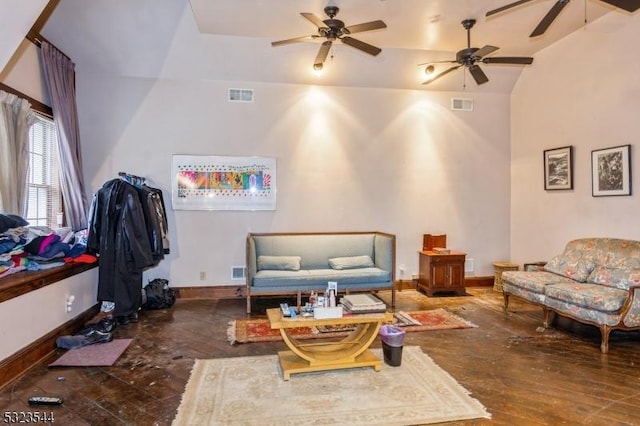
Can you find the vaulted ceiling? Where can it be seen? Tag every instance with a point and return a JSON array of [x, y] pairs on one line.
[[129, 36]]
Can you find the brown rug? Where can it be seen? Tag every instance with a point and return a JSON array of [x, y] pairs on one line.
[[98, 355], [258, 329]]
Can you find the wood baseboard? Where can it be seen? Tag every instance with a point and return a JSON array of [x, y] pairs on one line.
[[479, 281], [214, 292], [19, 363]]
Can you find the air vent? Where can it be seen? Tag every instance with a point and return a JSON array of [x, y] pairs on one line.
[[240, 95], [238, 273], [460, 104]]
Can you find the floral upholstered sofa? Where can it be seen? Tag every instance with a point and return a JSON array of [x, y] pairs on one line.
[[594, 281]]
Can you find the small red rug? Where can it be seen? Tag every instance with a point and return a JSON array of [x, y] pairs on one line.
[[258, 329]]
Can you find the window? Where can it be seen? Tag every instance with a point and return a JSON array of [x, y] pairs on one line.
[[44, 204]]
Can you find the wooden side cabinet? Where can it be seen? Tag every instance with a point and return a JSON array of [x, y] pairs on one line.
[[441, 272]]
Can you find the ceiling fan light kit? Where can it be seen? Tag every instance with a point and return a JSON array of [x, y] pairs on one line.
[[334, 29]]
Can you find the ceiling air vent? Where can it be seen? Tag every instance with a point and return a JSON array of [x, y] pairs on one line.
[[240, 95], [460, 104]]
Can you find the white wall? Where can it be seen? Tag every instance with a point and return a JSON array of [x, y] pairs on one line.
[[584, 91], [348, 159], [16, 18], [26, 318]]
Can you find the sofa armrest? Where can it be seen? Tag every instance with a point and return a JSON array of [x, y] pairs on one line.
[[252, 260], [385, 252]]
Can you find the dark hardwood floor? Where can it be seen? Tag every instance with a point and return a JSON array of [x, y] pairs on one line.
[[522, 375]]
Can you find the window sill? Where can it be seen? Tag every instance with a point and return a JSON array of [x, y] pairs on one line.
[[23, 282]]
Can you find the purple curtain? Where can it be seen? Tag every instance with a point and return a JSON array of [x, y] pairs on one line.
[[60, 77]]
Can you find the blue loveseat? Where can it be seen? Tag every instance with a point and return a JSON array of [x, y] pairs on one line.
[[296, 263], [594, 281]]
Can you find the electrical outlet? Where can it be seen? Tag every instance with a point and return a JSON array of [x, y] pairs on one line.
[[203, 275], [68, 303]]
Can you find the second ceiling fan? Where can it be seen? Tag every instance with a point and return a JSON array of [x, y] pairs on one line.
[[471, 55], [334, 29], [552, 14]]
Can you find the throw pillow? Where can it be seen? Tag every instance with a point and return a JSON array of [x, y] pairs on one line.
[[279, 263], [351, 262], [615, 277], [576, 269]]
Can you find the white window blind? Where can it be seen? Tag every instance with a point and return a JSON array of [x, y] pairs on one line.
[[44, 205]]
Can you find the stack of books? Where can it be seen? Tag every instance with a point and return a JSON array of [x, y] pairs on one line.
[[362, 304]]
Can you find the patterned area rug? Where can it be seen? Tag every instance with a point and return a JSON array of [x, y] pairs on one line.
[[251, 391], [258, 329]]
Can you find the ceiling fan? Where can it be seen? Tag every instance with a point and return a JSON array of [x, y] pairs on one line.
[[334, 29], [469, 56], [552, 14]]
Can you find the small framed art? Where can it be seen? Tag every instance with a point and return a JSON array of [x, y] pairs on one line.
[[558, 168], [611, 171]]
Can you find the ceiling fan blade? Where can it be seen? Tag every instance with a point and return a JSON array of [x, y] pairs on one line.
[[549, 18], [628, 5], [432, 79], [293, 40], [361, 45], [314, 20], [517, 60], [438, 62], [478, 75], [508, 6], [367, 26], [322, 54], [483, 51]]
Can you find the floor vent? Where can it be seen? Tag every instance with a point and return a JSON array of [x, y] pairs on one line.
[[461, 104], [238, 273], [240, 95]]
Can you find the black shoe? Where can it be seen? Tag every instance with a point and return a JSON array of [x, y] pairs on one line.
[[96, 336], [133, 317], [106, 325], [123, 320]]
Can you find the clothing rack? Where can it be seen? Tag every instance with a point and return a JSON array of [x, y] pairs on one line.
[[132, 179]]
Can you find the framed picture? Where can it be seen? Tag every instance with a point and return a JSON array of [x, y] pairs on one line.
[[611, 171], [558, 168], [200, 182]]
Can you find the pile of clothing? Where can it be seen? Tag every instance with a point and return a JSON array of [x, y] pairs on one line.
[[35, 248]]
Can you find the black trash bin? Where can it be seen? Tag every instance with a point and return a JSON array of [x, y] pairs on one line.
[[392, 342]]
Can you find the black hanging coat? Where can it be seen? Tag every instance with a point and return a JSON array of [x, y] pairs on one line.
[[118, 233]]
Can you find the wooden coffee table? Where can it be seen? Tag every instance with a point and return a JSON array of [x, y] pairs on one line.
[[324, 354]]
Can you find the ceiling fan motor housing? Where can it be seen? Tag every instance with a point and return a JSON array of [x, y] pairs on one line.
[[465, 56]]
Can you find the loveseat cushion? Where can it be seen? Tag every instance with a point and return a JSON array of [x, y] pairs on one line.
[[588, 296], [279, 263], [621, 278], [318, 278], [571, 265], [534, 281], [351, 262]]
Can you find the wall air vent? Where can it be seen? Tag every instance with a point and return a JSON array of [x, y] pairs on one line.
[[238, 273], [240, 95], [461, 104]]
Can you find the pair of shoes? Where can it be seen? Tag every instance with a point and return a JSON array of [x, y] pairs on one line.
[[99, 317], [95, 336], [126, 319]]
